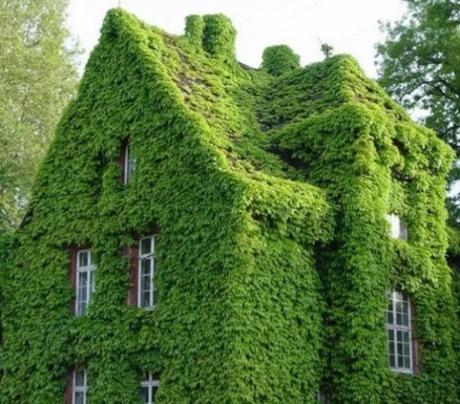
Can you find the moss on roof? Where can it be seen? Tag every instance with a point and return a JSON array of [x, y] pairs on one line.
[[240, 107]]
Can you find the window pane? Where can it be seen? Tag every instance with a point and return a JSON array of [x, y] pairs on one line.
[[322, 397], [399, 341], [146, 246], [403, 230], [391, 335], [406, 349], [405, 307], [390, 319], [391, 348], [79, 377], [92, 277], [405, 320], [407, 364], [81, 308], [145, 299], [393, 221], [145, 395], [405, 315], [405, 335], [79, 397], [81, 294], [398, 313], [392, 361], [130, 163], [145, 283], [131, 166], [146, 266], [83, 258], [154, 392], [399, 357], [82, 286]]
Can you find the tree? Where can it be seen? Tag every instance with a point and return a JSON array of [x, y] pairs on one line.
[[327, 50], [38, 76], [419, 64]]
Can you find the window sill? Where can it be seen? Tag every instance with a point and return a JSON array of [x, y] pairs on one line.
[[407, 372]]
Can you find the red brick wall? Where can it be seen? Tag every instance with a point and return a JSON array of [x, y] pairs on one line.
[[133, 252], [73, 275]]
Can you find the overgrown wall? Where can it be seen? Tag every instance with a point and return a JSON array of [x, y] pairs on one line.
[[373, 161], [269, 189], [235, 267]]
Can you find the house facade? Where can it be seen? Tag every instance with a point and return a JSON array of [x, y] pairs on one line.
[[205, 232]]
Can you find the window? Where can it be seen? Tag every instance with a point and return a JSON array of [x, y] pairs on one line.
[[129, 164], [322, 397], [146, 292], [149, 387], [398, 227], [79, 387], [399, 332], [86, 282]]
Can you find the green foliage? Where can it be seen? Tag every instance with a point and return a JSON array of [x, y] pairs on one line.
[[194, 26], [270, 195], [6, 255], [235, 266], [327, 50], [420, 65], [38, 77], [353, 141], [453, 255], [280, 59], [456, 288], [219, 37]]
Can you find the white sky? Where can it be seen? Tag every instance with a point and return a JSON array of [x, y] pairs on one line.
[[350, 26]]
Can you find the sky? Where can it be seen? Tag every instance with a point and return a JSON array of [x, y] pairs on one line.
[[350, 26]]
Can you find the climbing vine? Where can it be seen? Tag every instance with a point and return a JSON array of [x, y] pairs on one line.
[[269, 189], [354, 142], [280, 59]]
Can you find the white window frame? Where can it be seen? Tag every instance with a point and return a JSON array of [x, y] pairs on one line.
[[129, 164], [80, 389], [395, 297], [90, 282], [150, 383], [398, 227], [143, 257]]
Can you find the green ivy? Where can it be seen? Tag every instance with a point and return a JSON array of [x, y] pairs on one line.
[[280, 59], [354, 142], [270, 192]]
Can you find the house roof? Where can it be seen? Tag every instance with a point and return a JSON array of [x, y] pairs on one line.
[[243, 108], [263, 126]]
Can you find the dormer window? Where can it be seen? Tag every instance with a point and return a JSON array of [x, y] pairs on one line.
[[129, 164], [398, 227]]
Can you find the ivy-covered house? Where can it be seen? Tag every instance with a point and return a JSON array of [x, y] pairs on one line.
[[205, 232]]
